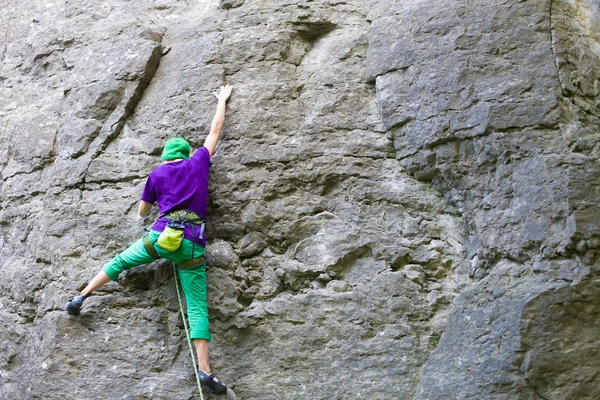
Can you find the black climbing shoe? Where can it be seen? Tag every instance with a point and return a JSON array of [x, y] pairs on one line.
[[212, 382], [75, 304]]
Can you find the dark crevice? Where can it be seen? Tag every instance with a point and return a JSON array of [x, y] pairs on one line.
[[400, 124], [373, 79], [553, 41], [311, 31], [149, 71], [115, 129]]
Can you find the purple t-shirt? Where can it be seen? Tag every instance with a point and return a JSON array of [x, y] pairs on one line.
[[180, 185]]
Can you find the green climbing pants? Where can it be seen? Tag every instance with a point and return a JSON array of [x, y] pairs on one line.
[[193, 281]]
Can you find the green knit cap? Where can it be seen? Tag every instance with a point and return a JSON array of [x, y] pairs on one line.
[[176, 148]]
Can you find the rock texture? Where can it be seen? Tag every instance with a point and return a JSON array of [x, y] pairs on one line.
[[403, 203]]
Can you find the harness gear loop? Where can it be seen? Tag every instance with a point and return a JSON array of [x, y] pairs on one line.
[[191, 264], [187, 331], [185, 216], [148, 245]]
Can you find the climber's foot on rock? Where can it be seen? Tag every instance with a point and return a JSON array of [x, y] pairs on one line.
[[210, 380]]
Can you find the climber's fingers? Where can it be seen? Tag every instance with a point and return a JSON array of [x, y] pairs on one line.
[[224, 93]]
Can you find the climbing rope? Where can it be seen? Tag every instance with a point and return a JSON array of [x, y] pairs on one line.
[[187, 331]]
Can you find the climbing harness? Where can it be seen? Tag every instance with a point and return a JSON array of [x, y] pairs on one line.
[[177, 221], [189, 264], [187, 331], [170, 238]]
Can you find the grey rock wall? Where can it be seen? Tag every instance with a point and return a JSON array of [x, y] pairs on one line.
[[403, 203]]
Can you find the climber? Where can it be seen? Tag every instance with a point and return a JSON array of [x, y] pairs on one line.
[[180, 187]]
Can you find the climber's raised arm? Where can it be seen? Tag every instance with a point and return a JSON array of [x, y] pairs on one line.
[[217, 123]]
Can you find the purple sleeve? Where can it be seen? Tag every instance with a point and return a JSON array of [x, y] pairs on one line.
[[202, 156], [149, 193]]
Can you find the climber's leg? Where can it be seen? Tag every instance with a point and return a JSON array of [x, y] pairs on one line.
[[201, 346], [193, 283], [206, 376], [99, 280], [133, 256]]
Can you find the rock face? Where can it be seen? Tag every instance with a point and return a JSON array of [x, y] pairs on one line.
[[403, 203]]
